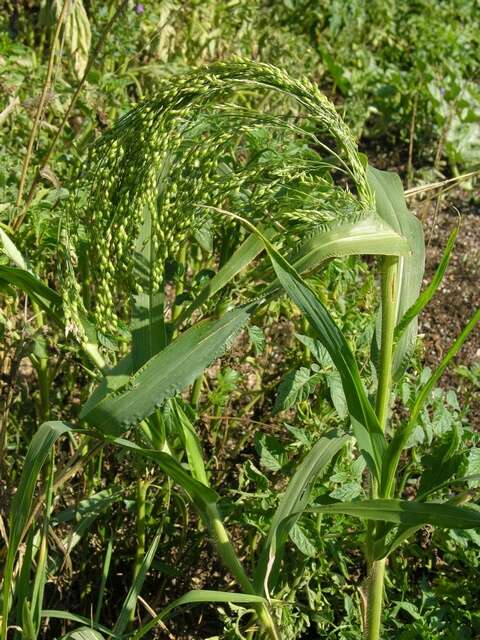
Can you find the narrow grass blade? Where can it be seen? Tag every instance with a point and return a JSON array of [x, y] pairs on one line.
[[22, 584], [383, 547], [402, 436], [293, 501], [199, 597], [49, 301], [114, 378], [448, 483], [46, 298], [364, 421], [105, 571], [73, 617], [40, 447], [132, 596], [166, 374], [410, 513], [28, 626], [430, 291], [12, 252], [388, 543], [85, 514], [191, 443]]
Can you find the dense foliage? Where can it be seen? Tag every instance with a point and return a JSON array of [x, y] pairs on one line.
[[216, 421]]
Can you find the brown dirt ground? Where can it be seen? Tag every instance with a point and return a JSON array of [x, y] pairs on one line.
[[458, 296]]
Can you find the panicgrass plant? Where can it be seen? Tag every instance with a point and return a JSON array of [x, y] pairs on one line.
[[293, 186]]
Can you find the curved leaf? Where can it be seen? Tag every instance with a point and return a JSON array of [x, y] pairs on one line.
[[73, 617], [132, 596], [293, 501], [368, 433], [12, 252], [198, 597], [241, 258], [166, 374], [83, 633], [38, 451], [430, 291], [402, 436], [201, 495], [147, 323], [410, 513], [367, 236]]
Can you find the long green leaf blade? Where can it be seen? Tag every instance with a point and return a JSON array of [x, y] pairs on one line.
[[367, 236], [27, 282], [134, 591], [402, 436], [430, 291], [199, 597], [410, 513], [12, 252], [40, 447], [73, 617], [166, 374], [201, 495], [294, 500], [147, 325], [368, 433], [242, 257]]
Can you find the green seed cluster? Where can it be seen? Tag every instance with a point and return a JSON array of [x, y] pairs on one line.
[[174, 154]]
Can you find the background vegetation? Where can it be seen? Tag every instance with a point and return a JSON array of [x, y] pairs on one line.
[[405, 78]]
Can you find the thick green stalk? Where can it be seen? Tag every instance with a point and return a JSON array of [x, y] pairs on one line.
[[230, 559], [375, 599], [389, 311], [389, 316]]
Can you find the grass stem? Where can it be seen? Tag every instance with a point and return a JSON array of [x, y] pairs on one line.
[[376, 575], [375, 599], [230, 559], [389, 316]]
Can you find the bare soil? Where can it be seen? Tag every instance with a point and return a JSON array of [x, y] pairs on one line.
[[458, 296]]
